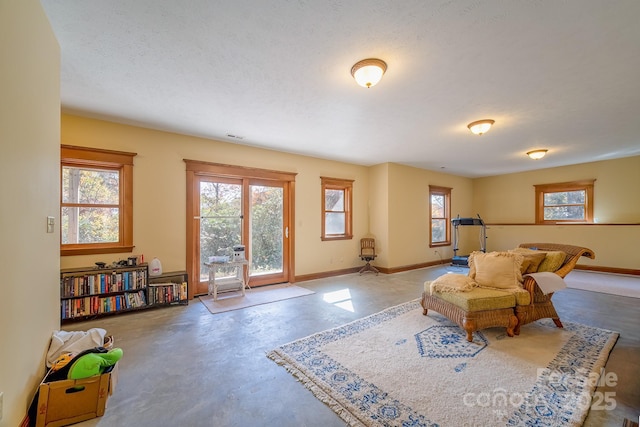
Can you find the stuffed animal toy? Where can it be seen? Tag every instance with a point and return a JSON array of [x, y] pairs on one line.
[[62, 361], [94, 361], [91, 364]]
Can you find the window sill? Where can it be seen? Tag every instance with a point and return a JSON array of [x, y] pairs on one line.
[[95, 250], [325, 238]]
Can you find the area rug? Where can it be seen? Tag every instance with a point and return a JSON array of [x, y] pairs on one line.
[[228, 301], [400, 368]]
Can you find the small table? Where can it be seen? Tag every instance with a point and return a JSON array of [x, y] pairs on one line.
[[237, 281]]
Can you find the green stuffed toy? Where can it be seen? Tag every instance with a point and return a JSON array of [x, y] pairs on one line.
[[94, 361], [91, 364]]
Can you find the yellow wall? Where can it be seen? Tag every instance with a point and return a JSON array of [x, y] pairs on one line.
[[159, 191], [390, 202], [379, 212], [29, 179], [614, 246], [409, 212], [616, 201]]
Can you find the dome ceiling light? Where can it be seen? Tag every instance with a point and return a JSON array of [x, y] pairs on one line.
[[537, 154], [480, 126], [368, 72]]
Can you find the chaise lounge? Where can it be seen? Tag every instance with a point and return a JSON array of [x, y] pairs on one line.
[[499, 290], [541, 306]]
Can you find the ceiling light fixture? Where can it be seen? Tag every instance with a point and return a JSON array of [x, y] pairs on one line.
[[368, 72], [480, 126], [537, 154]]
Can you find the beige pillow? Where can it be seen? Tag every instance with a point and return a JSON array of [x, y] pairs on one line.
[[453, 283], [552, 261], [532, 259], [496, 269]]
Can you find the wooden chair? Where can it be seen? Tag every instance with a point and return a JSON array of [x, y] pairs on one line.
[[368, 254]]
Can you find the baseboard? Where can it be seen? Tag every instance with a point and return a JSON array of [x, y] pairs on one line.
[[385, 270], [324, 274], [613, 270]]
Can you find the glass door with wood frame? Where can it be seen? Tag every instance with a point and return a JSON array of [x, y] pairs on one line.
[[245, 211]]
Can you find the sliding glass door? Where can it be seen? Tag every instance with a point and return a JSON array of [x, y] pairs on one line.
[[267, 232], [220, 220], [228, 211]]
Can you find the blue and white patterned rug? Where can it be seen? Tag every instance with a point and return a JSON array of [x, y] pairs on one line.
[[400, 368]]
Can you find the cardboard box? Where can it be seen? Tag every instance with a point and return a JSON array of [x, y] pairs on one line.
[[65, 402]]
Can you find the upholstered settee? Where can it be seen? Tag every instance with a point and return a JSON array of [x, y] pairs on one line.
[[498, 290]]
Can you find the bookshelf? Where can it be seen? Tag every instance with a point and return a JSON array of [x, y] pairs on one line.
[[168, 289], [91, 292]]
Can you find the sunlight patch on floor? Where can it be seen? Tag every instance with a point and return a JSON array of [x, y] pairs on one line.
[[341, 299]]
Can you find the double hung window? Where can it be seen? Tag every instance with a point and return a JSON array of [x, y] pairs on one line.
[[96, 206], [564, 202], [439, 216], [337, 200]]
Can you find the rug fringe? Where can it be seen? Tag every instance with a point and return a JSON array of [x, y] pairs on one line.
[[318, 392], [598, 367]]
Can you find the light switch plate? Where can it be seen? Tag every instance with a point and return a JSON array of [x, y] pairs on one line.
[[51, 222]]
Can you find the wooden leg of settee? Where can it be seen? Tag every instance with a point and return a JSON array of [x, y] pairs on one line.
[[469, 326], [513, 324]]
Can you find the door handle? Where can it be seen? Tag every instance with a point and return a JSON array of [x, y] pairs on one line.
[[286, 232]]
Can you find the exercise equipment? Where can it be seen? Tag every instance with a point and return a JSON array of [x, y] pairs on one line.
[[463, 260]]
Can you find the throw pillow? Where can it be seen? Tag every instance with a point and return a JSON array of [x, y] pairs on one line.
[[532, 259], [453, 283], [552, 261], [496, 269]]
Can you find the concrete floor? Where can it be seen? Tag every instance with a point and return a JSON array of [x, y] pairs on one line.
[[183, 366]]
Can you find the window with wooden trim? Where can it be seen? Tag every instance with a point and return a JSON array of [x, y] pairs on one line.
[[337, 199], [96, 201], [439, 216], [564, 202]]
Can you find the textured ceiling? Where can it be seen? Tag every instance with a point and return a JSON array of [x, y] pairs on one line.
[[560, 75]]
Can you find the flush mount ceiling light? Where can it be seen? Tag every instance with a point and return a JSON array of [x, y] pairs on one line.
[[368, 72], [480, 126], [537, 154]]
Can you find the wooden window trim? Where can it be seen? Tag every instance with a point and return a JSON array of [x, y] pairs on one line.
[[199, 167], [446, 191], [585, 185], [121, 161], [345, 185]]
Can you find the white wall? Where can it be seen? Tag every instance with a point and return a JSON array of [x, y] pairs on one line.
[[29, 190]]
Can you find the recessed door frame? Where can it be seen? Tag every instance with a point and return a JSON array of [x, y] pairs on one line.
[[195, 168]]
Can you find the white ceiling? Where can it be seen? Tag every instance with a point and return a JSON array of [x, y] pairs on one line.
[[561, 75]]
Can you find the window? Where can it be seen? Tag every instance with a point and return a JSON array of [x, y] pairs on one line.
[[96, 206], [564, 202], [336, 208], [440, 216]]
